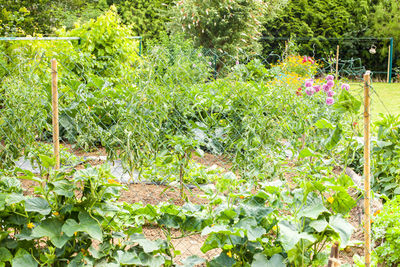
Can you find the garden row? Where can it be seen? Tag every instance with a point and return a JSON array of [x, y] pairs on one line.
[[153, 113]]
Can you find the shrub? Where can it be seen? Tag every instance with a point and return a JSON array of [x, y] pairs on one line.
[[386, 229], [224, 26]]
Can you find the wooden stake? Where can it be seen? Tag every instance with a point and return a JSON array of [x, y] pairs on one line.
[[367, 169], [337, 62], [388, 68], [334, 257], [54, 91]]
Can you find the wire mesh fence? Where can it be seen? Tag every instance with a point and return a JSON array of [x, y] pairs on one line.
[[170, 123]]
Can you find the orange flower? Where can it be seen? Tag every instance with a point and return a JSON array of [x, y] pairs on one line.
[[241, 197], [377, 212], [112, 181], [56, 213]]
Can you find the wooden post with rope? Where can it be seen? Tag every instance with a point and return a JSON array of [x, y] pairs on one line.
[[388, 67], [337, 62], [54, 93], [367, 169]]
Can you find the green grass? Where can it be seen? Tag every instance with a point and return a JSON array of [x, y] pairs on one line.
[[385, 98]]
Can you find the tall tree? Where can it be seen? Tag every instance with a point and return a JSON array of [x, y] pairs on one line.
[[385, 20], [146, 18], [226, 26]]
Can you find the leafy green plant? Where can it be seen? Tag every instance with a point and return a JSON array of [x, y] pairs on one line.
[[386, 233], [275, 225], [59, 225], [182, 148]]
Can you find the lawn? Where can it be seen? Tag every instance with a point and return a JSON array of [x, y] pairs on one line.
[[385, 98]]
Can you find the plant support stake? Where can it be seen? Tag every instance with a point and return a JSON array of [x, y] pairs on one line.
[[367, 169], [54, 93], [388, 67], [337, 62]]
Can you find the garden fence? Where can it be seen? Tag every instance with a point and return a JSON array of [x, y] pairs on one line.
[[167, 124]]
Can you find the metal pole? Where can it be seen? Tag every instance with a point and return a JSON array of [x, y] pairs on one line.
[[140, 46], [367, 170], [391, 60]]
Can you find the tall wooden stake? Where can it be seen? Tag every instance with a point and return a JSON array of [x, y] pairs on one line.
[[54, 91], [388, 68], [337, 62], [367, 169]]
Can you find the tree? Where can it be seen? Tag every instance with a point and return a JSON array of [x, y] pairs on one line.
[[385, 21], [29, 17], [227, 26], [316, 18], [146, 18]]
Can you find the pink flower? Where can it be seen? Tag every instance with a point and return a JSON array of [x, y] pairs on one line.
[[326, 88], [237, 62], [309, 83], [330, 78], [330, 83], [304, 59], [209, 63], [317, 88], [330, 93], [200, 54], [346, 86], [330, 101], [310, 91]]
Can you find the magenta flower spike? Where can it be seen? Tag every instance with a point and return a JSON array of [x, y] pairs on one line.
[[330, 78], [326, 88], [346, 86], [330, 101], [309, 83], [317, 88], [330, 93], [330, 83], [310, 91]]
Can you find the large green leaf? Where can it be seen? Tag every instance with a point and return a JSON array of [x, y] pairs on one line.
[[261, 260], [214, 241], [222, 260], [290, 236], [147, 245], [86, 224], [334, 139], [151, 260], [47, 162], [64, 188], [37, 204], [3, 198], [342, 228], [313, 207], [319, 225], [51, 228], [127, 258], [5, 255], [192, 261], [23, 259], [305, 153], [15, 198], [347, 103], [324, 124]]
